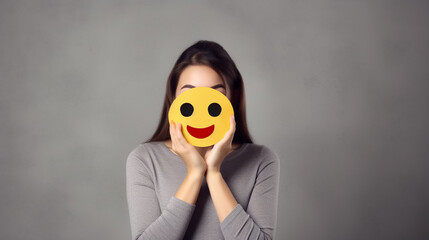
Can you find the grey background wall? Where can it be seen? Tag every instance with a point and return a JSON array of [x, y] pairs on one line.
[[337, 88]]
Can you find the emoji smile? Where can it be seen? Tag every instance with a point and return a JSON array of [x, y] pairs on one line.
[[200, 132]]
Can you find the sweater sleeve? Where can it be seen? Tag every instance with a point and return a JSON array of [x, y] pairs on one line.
[[260, 220], [146, 219]]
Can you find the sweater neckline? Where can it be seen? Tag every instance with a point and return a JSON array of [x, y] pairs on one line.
[[231, 155]]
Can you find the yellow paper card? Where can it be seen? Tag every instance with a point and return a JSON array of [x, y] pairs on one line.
[[204, 115]]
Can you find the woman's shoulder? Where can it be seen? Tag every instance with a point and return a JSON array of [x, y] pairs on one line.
[[263, 157], [145, 150], [260, 148], [148, 146], [263, 152]]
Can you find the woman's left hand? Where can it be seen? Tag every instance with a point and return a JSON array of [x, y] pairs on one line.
[[221, 149]]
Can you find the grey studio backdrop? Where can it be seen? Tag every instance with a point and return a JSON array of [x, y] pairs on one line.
[[337, 88]]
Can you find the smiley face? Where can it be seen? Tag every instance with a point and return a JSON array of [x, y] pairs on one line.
[[204, 115]]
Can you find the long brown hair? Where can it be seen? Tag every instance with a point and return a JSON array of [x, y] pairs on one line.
[[213, 55]]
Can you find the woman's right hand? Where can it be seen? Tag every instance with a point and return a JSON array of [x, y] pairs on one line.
[[187, 152]]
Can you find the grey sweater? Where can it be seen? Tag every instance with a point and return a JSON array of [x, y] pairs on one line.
[[154, 174]]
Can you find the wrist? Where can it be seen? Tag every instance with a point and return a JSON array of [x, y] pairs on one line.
[[213, 170], [213, 176], [195, 174]]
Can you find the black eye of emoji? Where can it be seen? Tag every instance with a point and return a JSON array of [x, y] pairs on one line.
[[214, 109], [186, 109]]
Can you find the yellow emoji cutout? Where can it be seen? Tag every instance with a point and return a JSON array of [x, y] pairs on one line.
[[204, 114]]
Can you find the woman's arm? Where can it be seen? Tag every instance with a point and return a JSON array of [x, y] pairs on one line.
[[195, 165], [260, 220], [190, 187], [146, 219]]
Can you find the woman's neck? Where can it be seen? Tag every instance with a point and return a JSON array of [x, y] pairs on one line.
[[203, 150]]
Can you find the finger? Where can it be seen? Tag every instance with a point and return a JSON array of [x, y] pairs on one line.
[[231, 131], [227, 138], [177, 133], [173, 134], [233, 123], [229, 135], [180, 136]]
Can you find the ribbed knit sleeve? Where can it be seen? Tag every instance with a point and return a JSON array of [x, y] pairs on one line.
[[260, 219], [146, 219]]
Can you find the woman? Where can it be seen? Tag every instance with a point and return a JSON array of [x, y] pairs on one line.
[[225, 191]]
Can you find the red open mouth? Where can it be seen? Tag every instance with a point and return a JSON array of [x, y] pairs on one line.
[[200, 132]]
